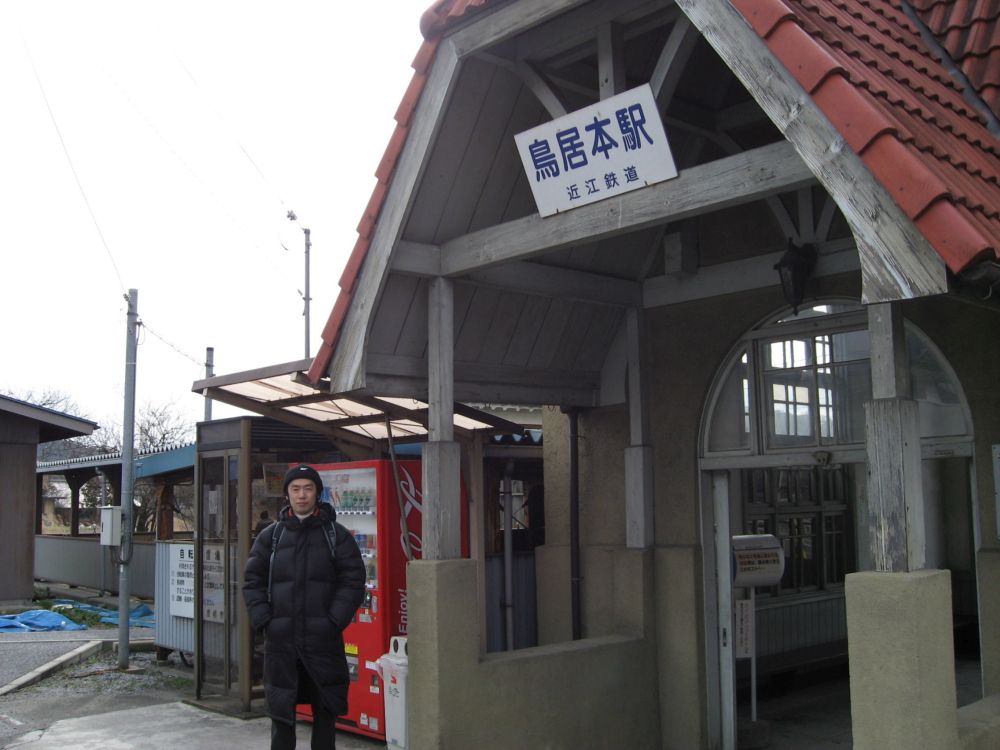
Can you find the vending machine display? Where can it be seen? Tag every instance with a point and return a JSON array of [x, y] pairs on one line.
[[382, 505]]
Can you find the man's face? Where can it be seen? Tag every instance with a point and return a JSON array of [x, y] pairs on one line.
[[302, 496]]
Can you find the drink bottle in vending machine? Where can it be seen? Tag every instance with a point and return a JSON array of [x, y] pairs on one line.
[[383, 509]]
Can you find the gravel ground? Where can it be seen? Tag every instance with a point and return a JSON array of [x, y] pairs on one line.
[[94, 686]]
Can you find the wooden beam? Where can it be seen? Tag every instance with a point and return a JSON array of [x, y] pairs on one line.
[[347, 365], [416, 367], [742, 275], [638, 407], [680, 252], [532, 76], [521, 276], [442, 496], [576, 31], [610, 60], [753, 175], [887, 343], [417, 259], [390, 375], [672, 61], [505, 23], [559, 283], [897, 261]]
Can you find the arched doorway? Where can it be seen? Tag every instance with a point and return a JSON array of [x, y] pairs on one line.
[[783, 453]]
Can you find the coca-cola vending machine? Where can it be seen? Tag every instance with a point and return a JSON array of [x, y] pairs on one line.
[[385, 515]]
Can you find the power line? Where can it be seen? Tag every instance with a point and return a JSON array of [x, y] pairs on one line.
[[69, 159], [145, 326]]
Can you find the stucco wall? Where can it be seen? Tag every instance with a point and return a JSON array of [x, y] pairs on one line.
[[591, 693]]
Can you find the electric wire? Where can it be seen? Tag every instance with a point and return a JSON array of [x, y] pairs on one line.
[[69, 159], [275, 193], [145, 327]]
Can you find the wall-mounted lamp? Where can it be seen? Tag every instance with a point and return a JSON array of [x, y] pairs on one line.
[[794, 270]]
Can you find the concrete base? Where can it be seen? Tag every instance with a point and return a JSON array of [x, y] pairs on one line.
[[902, 660], [753, 735], [591, 693]]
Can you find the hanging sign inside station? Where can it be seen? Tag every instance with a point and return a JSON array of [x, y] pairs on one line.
[[758, 560], [598, 152]]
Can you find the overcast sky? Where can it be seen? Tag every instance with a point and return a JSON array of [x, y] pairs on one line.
[[191, 128]]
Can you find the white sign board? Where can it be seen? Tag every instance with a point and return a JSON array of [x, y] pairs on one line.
[[743, 642], [758, 560], [182, 580], [598, 152], [213, 592]]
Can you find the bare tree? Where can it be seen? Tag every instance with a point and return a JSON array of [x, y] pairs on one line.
[[158, 427]]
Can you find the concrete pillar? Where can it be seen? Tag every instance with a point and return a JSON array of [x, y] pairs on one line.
[[988, 573], [444, 646], [902, 660]]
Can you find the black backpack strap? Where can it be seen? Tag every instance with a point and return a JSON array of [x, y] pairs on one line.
[[331, 539], [275, 536]]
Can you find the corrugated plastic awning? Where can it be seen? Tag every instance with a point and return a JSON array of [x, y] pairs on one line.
[[284, 393]]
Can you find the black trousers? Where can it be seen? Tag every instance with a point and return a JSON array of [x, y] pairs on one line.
[[323, 733]]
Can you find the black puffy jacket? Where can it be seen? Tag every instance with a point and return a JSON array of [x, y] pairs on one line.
[[313, 598]]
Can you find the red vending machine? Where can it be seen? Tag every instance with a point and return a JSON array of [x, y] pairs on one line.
[[385, 514]]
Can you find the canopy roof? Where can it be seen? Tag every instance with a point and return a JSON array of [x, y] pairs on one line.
[[52, 425], [284, 393]]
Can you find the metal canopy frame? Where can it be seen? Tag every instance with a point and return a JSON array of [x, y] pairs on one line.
[[284, 393]]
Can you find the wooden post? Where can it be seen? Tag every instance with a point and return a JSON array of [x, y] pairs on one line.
[[639, 455], [892, 435], [75, 480], [441, 456], [165, 503]]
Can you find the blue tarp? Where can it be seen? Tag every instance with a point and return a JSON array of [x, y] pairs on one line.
[[37, 619], [43, 619], [140, 617]]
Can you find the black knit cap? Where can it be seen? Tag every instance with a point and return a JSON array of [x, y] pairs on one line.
[[303, 472]]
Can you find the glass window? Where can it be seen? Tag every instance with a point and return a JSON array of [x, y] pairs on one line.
[[810, 389], [730, 429], [935, 390], [808, 509]]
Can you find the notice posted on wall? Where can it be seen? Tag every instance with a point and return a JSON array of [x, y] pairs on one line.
[[182, 580], [213, 592]]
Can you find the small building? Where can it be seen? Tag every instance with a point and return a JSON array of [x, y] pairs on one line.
[[23, 427], [796, 335]]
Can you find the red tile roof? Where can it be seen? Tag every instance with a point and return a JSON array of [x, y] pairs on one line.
[[434, 22], [867, 68], [869, 71], [970, 31]]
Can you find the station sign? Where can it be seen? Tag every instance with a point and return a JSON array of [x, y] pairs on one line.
[[607, 149]]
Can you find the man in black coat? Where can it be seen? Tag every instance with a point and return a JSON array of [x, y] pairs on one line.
[[302, 601]]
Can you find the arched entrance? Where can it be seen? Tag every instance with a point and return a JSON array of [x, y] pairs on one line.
[[783, 453]]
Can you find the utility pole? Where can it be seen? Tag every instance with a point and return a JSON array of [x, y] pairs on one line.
[[209, 372], [292, 217], [128, 477]]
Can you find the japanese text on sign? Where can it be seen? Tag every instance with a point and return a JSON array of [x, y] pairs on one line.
[[182, 580], [758, 560], [597, 152]]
